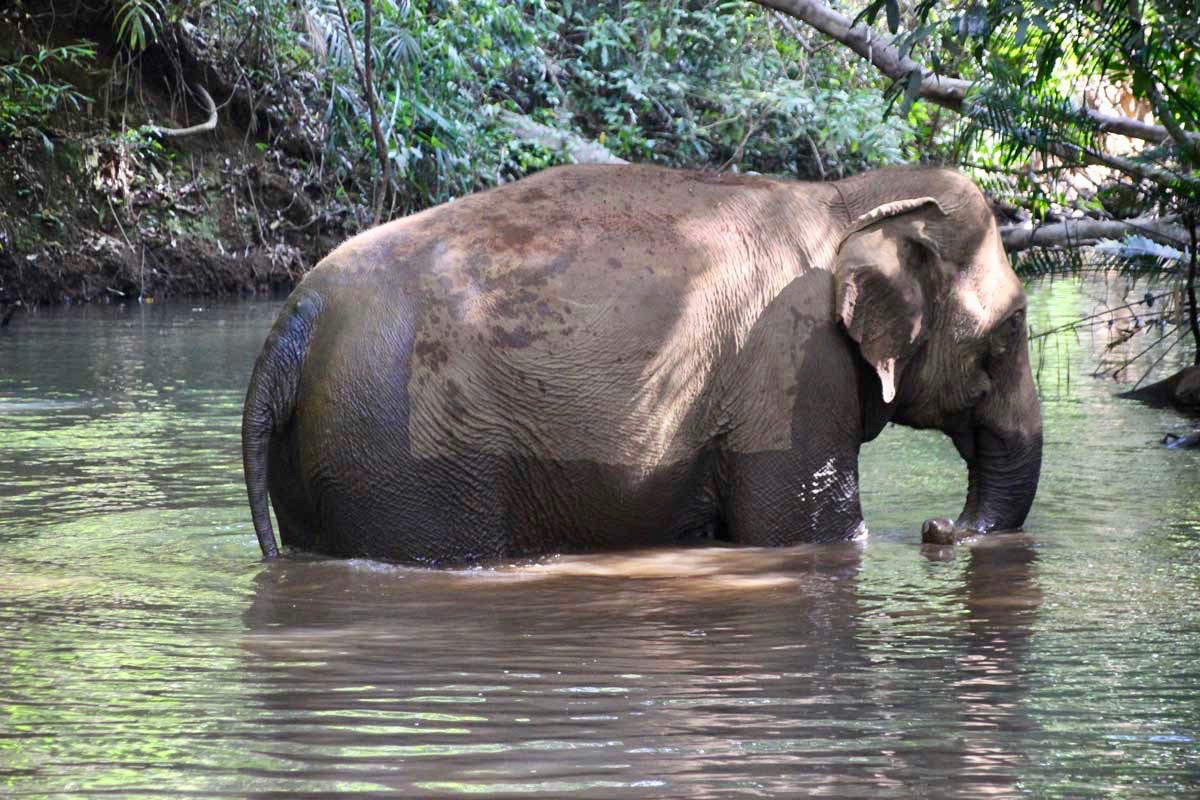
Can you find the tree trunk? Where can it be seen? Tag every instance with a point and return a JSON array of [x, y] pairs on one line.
[[1086, 231], [1191, 291], [365, 79]]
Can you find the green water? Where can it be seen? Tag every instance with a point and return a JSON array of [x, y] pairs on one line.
[[146, 652]]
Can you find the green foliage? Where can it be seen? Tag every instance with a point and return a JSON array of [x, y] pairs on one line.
[[435, 77], [1024, 127], [137, 23], [717, 83], [29, 91], [1032, 59], [714, 84]]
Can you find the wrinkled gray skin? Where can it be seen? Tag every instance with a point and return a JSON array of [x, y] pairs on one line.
[[617, 356]]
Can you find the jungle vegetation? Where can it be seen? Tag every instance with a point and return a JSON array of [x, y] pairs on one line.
[[1079, 119], [1083, 117]]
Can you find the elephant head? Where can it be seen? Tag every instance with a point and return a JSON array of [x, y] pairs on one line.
[[926, 291]]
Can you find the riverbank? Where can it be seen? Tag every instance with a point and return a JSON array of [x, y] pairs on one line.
[[142, 188], [95, 213], [98, 217]]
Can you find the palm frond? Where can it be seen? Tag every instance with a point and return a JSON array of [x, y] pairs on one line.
[[1073, 262]]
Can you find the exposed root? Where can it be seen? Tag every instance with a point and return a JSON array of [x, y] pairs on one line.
[[209, 124]]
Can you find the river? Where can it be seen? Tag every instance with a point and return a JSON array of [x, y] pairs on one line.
[[145, 651]]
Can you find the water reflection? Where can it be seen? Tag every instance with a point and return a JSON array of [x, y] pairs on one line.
[[707, 669], [145, 651], [981, 697]]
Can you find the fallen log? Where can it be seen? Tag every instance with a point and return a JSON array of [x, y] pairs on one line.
[[1075, 232]]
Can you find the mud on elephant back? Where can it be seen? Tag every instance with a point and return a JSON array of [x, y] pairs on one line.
[[618, 356]]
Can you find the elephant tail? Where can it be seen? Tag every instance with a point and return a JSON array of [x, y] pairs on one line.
[[270, 401]]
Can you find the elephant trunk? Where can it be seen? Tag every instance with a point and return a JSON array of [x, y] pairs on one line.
[[1002, 445], [1002, 479]]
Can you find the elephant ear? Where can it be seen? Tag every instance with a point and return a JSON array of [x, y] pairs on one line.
[[879, 296]]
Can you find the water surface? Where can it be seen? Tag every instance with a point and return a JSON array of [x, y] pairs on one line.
[[145, 650]]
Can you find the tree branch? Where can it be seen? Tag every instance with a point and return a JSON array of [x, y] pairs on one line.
[[944, 91], [1087, 231], [368, 91], [790, 27], [1135, 169], [1159, 103], [1190, 289], [383, 197], [948, 92]]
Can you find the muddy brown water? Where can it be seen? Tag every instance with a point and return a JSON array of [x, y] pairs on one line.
[[146, 652]]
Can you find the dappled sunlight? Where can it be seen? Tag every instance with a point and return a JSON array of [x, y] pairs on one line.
[[732, 567]]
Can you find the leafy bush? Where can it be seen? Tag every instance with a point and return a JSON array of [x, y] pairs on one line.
[[29, 92], [719, 84], [437, 76], [137, 23]]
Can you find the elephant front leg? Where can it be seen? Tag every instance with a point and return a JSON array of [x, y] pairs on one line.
[[785, 497]]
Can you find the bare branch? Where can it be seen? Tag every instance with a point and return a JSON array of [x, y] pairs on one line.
[[1133, 128], [365, 80], [790, 27], [863, 40], [1190, 288], [1134, 169]]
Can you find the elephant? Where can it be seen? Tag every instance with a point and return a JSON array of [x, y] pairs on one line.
[[622, 356]]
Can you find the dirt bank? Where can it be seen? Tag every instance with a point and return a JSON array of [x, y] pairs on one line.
[[98, 218], [95, 206]]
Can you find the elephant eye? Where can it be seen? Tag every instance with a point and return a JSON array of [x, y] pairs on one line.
[[1005, 333]]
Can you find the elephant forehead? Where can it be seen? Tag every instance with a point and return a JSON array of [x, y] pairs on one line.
[[988, 290]]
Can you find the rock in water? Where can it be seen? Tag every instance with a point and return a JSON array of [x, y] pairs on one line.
[[1175, 442], [1187, 391], [1181, 390]]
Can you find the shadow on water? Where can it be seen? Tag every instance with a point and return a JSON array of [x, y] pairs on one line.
[[704, 670]]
